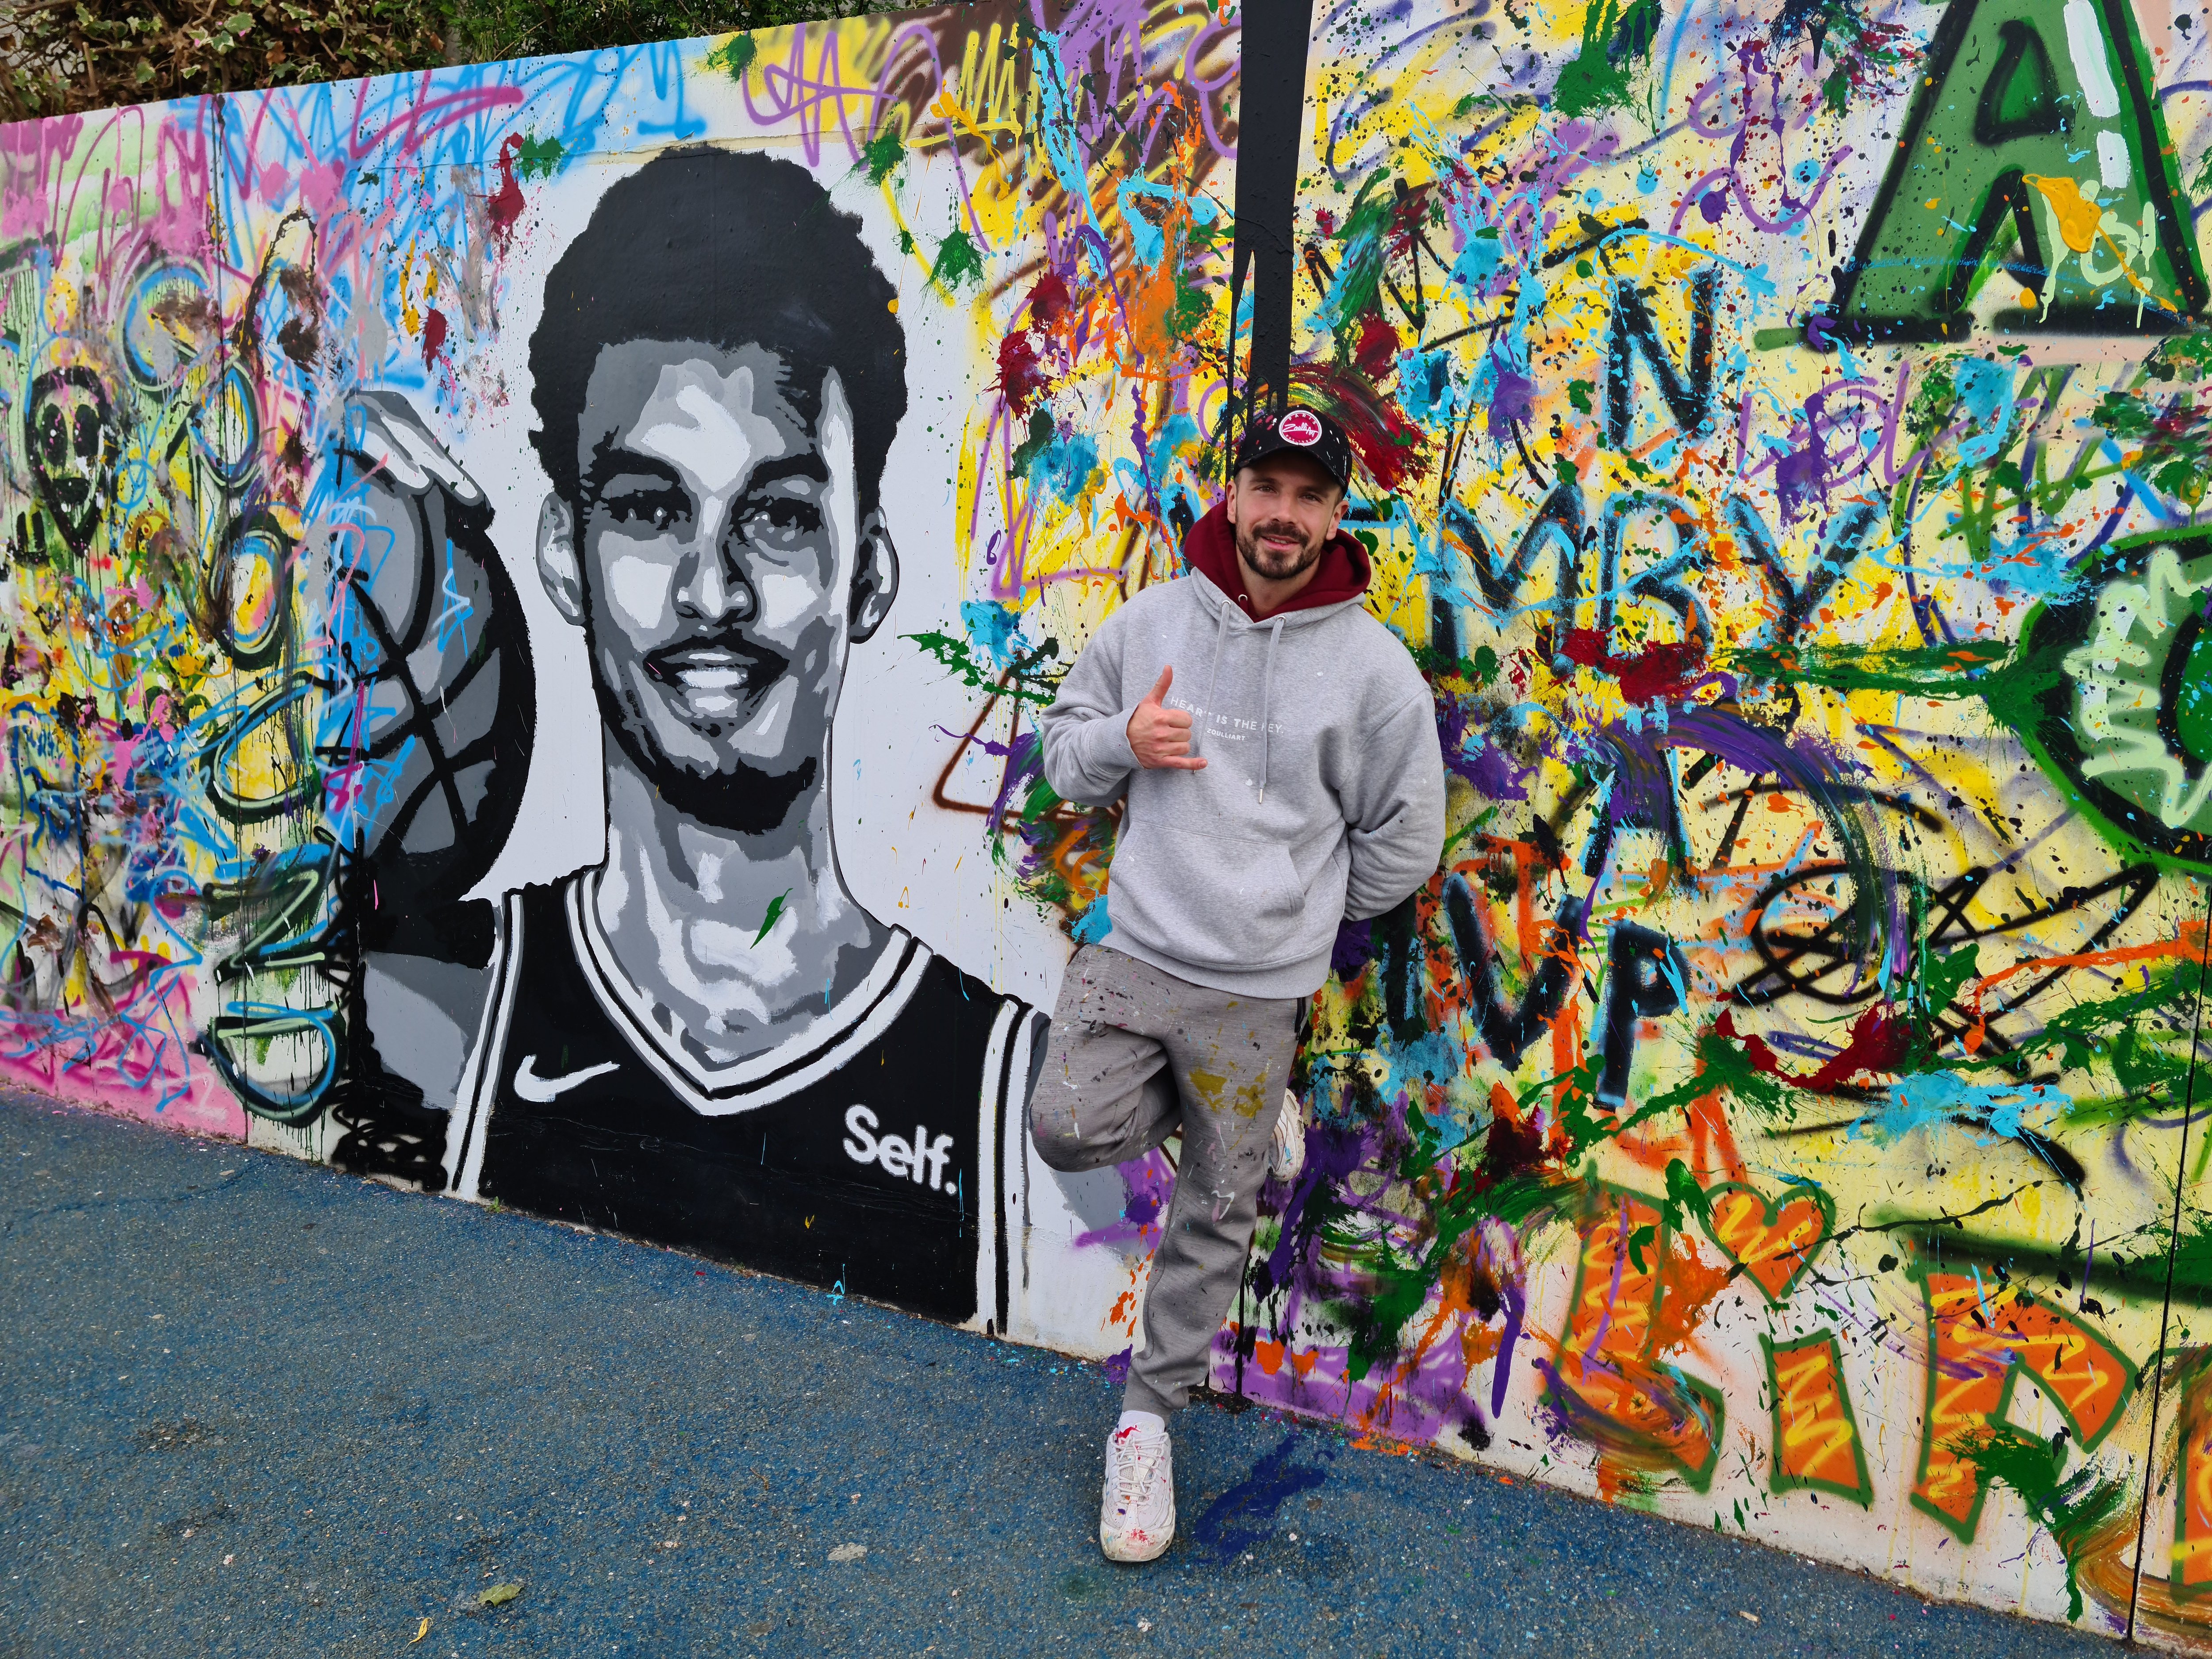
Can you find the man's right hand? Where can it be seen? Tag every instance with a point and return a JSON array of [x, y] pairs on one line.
[[1160, 735]]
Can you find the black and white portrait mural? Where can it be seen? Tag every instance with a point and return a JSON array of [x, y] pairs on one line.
[[702, 1038], [642, 500]]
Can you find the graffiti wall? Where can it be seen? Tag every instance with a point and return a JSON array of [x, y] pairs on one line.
[[513, 605], [528, 590], [1786, 429]]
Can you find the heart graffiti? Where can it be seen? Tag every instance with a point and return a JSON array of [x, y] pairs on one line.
[[1771, 1243]]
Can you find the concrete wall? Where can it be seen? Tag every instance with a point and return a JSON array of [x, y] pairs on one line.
[[453, 739]]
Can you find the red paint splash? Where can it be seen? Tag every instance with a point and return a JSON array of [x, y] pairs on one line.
[[1657, 670], [1378, 349], [1390, 447], [1880, 1042], [1049, 300], [1021, 377], [507, 204], [433, 336]]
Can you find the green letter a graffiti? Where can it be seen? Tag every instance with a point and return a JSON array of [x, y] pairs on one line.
[[2032, 188]]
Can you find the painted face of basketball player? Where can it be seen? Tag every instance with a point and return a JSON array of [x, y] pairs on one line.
[[720, 568]]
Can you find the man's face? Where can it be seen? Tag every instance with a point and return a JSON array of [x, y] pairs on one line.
[[715, 548], [1284, 511]]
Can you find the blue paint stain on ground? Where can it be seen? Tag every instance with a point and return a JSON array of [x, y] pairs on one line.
[[250, 1406], [1245, 1515]]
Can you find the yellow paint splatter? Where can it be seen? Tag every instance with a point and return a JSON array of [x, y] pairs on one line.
[[2077, 216]]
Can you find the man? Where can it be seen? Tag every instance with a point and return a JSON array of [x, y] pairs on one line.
[[705, 1040], [1301, 786]]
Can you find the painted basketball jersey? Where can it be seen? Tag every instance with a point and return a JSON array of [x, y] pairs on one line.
[[864, 1155]]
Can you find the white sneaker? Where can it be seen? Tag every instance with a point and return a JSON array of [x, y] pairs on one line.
[[1136, 1516], [1288, 1155]]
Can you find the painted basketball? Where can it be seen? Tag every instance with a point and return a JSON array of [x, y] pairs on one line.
[[435, 668]]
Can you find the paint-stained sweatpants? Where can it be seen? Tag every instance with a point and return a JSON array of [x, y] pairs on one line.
[[1136, 1054]]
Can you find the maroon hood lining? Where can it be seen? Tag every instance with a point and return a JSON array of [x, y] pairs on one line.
[[1210, 549]]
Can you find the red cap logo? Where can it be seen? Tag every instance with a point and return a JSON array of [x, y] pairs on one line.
[[1301, 427]]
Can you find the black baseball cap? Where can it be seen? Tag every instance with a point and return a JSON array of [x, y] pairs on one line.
[[1303, 431]]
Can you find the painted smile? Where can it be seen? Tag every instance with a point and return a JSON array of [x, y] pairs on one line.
[[717, 678]]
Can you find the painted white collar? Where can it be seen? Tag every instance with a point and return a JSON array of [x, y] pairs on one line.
[[717, 1089]]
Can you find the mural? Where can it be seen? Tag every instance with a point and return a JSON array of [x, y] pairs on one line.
[[528, 588], [485, 551], [1786, 429]]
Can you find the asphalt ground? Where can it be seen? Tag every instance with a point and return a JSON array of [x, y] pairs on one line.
[[250, 1406]]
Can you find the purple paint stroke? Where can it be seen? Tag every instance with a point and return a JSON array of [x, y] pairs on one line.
[[1148, 1182], [1501, 1377], [1353, 949], [1512, 402], [1417, 1404], [1470, 754]]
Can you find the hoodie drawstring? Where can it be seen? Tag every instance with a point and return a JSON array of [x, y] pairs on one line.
[[1267, 692], [1212, 677]]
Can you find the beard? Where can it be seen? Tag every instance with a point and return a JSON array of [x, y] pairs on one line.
[[1277, 563], [734, 795]]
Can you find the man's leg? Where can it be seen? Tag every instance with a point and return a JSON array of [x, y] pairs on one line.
[[1104, 1094], [1232, 1058]]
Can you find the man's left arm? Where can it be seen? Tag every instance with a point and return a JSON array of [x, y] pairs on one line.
[[1397, 812]]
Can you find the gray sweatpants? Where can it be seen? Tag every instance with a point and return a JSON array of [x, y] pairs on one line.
[[1136, 1054]]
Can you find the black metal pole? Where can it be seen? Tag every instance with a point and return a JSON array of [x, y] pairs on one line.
[[1271, 112]]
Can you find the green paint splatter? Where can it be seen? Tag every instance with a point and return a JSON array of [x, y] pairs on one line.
[[1644, 1236], [957, 261], [1935, 671], [538, 157], [1613, 39], [1357, 285], [2010, 683], [775, 914], [1023, 683], [1721, 1063], [2075, 1509], [1397, 1285], [882, 155], [734, 56], [1039, 441], [1937, 980], [2192, 1255], [1684, 1194]]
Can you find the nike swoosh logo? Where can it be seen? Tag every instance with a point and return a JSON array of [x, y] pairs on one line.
[[531, 1086]]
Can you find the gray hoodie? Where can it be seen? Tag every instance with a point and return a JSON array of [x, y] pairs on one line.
[[1322, 799]]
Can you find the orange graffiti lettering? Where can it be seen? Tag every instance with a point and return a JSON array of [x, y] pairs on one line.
[[1984, 1334], [1816, 1436], [1605, 1383]]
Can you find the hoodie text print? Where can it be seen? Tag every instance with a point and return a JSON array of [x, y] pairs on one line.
[[1323, 796]]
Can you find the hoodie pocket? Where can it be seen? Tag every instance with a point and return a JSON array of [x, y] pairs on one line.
[[1212, 901]]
